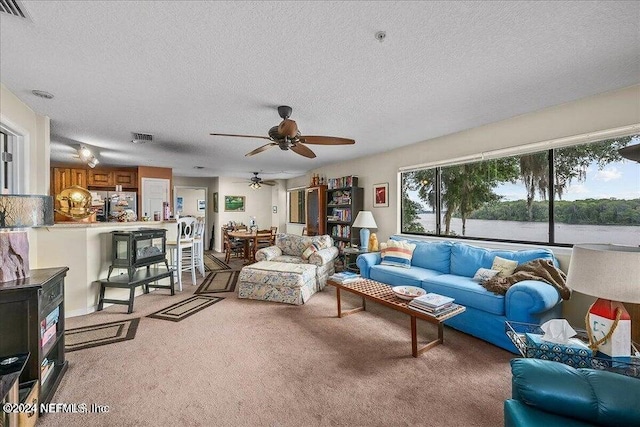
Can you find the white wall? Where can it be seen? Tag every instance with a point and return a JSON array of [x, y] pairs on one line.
[[34, 128], [190, 197]]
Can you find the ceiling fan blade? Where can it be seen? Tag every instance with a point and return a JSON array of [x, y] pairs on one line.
[[303, 150], [260, 149], [269, 183], [326, 140], [240, 136]]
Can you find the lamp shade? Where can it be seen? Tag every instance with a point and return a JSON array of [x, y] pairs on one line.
[[606, 271], [365, 220], [25, 211]]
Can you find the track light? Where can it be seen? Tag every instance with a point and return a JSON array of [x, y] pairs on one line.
[[84, 153], [93, 162]]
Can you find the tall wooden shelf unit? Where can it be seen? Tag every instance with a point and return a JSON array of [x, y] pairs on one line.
[[24, 307], [344, 200], [316, 220]]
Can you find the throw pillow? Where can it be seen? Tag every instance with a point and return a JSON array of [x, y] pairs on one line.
[[397, 253], [506, 267], [311, 249], [484, 274]]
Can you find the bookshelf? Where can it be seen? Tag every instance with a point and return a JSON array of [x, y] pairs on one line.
[[344, 200], [32, 313]]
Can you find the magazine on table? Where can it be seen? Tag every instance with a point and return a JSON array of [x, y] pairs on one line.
[[432, 300], [452, 308], [345, 277]]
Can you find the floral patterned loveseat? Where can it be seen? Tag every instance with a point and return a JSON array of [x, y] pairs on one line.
[[290, 247]]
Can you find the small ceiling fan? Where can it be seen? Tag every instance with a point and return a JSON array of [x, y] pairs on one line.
[[287, 136], [256, 182]]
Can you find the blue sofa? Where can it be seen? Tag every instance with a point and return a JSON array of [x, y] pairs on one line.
[[447, 268], [551, 394]]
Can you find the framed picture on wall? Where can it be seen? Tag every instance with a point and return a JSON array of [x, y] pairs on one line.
[[234, 203], [215, 202], [201, 205], [179, 204], [381, 195]]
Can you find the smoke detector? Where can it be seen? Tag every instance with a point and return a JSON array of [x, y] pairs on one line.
[[141, 138]]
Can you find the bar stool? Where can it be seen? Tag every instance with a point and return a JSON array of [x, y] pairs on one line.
[[198, 244], [182, 250]]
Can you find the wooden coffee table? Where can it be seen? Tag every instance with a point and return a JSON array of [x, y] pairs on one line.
[[382, 294]]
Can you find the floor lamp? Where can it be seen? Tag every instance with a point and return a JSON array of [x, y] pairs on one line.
[[612, 274], [18, 212]]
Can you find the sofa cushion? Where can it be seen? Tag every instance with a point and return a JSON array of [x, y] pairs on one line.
[[397, 253], [290, 259], [432, 256], [292, 244], [467, 259], [504, 267], [466, 292], [395, 276]]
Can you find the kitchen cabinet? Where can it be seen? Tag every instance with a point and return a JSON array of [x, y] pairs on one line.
[[66, 177], [128, 179], [100, 178], [316, 210]]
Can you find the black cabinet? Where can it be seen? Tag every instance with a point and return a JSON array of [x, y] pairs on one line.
[[32, 313], [344, 201]]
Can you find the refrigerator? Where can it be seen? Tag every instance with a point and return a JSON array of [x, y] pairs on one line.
[[117, 202]]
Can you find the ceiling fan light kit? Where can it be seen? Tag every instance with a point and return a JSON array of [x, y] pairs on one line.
[[287, 136]]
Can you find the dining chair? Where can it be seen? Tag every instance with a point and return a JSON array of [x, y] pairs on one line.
[[198, 244], [232, 247], [274, 231], [304, 231], [182, 251]]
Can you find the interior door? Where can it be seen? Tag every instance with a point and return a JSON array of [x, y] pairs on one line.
[[154, 192]]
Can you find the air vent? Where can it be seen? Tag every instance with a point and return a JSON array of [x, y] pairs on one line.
[[141, 138], [14, 8]]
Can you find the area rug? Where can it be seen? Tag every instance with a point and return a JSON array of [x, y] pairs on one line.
[[212, 263], [183, 309], [102, 334], [222, 281]]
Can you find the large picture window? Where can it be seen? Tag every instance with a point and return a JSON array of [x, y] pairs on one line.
[[583, 193]]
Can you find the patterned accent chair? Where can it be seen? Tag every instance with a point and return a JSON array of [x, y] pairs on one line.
[[289, 249]]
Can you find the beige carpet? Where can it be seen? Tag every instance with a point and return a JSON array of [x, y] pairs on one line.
[[255, 363]]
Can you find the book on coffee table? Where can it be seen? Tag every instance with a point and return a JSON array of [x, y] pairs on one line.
[[439, 314], [432, 301]]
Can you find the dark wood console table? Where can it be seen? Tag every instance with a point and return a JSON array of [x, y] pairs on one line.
[[24, 305]]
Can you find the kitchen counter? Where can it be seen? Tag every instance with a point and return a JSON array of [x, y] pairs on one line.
[[86, 249], [72, 224]]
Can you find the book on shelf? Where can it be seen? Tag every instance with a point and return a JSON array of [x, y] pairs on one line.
[[450, 309], [46, 369], [51, 319], [432, 300], [49, 334]]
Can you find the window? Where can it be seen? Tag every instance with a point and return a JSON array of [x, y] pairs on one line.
[[595, 197], [297, 206]]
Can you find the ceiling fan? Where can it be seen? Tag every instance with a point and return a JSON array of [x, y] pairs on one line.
[[256, 182], [287, 136]]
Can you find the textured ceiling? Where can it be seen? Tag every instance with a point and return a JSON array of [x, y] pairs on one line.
[[181, 70]]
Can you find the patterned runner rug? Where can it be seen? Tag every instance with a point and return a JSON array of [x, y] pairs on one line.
[[212, 263], [186, 308], [222, 281], [96, 335]]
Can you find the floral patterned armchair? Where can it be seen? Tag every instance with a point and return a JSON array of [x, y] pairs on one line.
[[290, 248]]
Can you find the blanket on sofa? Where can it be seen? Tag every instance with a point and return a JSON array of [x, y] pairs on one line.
[[538, 269]]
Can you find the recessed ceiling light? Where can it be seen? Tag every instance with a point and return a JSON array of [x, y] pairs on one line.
[[42, 94], [198, 167], [380, 36]]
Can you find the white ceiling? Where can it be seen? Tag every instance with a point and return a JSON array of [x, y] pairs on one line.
[[181, 70]]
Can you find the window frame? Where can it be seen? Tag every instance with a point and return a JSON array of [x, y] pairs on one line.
[[302, 210]]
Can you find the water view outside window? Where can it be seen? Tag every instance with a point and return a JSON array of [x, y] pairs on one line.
[[596, 197]]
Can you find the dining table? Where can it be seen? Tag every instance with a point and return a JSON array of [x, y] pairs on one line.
[[250, 239]]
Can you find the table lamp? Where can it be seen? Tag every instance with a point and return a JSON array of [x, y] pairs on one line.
[[17, 212], [612, 274], [364, 221]]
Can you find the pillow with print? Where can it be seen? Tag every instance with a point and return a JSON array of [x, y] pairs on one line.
[[506, 267], [484, 274], [397, 253], [311, 249]]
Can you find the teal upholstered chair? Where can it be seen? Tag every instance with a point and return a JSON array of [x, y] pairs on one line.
[[551, 394]]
